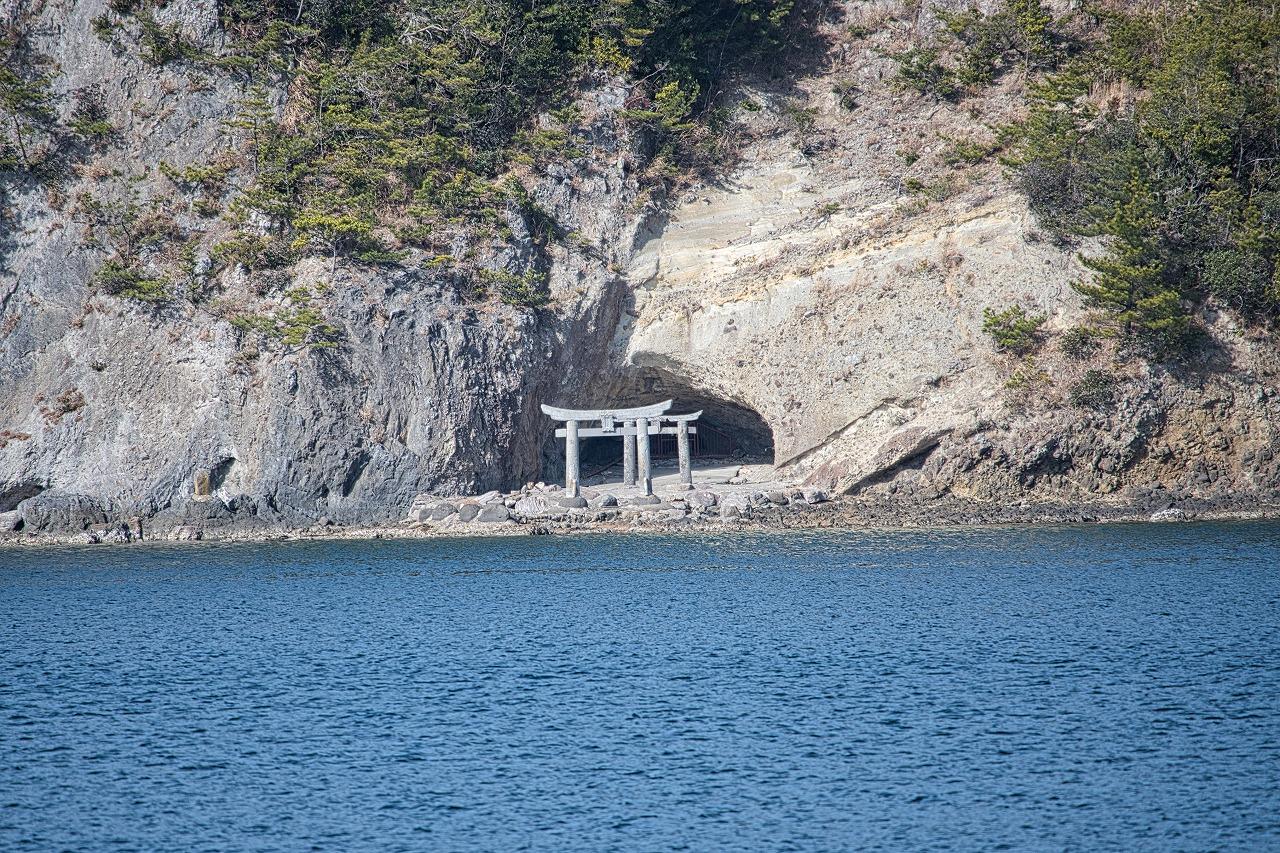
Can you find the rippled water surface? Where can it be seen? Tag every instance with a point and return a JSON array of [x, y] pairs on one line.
[[1091, 688]]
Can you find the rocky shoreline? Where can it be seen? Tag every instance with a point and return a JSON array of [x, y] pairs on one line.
[[541, 512]]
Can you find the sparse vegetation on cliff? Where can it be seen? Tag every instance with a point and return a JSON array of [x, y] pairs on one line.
[[1156, 129], [374, 126], [299, 324], [26, 105], [1013, 329]]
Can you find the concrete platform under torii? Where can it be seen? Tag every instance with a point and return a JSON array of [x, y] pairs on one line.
[[667, 477]]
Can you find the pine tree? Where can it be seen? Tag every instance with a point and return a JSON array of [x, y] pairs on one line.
[[24, 105], [1034, 34], [1129, 280]]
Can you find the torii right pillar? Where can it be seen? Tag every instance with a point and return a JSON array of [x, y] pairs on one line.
[[642, 456], [682, 449], [683, 431]]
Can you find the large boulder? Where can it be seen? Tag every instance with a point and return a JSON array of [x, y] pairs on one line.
[[54, 512], [493, 513], [210, 510], [420, 509], [533, 506], [702, 499], [117, 534], [186, 533], [441, 511]]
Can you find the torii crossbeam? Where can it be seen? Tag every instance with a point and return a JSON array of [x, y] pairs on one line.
[[628, 424]]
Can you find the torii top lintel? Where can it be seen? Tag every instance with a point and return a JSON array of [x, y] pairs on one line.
[[559, 414]]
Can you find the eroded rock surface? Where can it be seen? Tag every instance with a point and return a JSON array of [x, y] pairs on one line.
[[808, 285]]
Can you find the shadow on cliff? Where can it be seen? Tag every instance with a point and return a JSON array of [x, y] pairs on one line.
[[8, 228], [804, 52]]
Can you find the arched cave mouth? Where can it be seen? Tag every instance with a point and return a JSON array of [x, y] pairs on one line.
[[727, 432]]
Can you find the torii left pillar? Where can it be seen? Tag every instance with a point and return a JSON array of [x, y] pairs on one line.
[[571, 458]]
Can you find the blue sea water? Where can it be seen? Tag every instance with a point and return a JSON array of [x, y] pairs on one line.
[[1071, 688]]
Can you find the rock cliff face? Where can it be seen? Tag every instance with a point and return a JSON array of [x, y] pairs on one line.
[[811, 287], [427, 391], [808, 290]]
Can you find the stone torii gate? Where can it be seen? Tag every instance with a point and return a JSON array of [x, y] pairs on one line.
[[629, 425]]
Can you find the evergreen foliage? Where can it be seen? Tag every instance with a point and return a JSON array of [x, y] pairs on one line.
[[1181, 177], [1096, 389], [1156, 129], [26, 109], [370, 126], [134, 235], [400, 120], [120, 277], [299, 324], [1079, 344], [1013, 329], [89, 119], [976, 48]]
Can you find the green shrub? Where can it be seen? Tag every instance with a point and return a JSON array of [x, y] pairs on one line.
[[1241, 279], [120, 278], [254, 252], [968, 151], [210, 178], [527, 290], [978, 47], [1017, 32], [919, 70], [1027, 381], [1079, 343], [298, 324], [26, 104], [1013, 329], [1182, 182], [162, 45], [89, 119], [1094, 390], [104, 27]]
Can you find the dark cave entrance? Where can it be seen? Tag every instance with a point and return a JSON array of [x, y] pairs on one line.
[[727, 433]]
